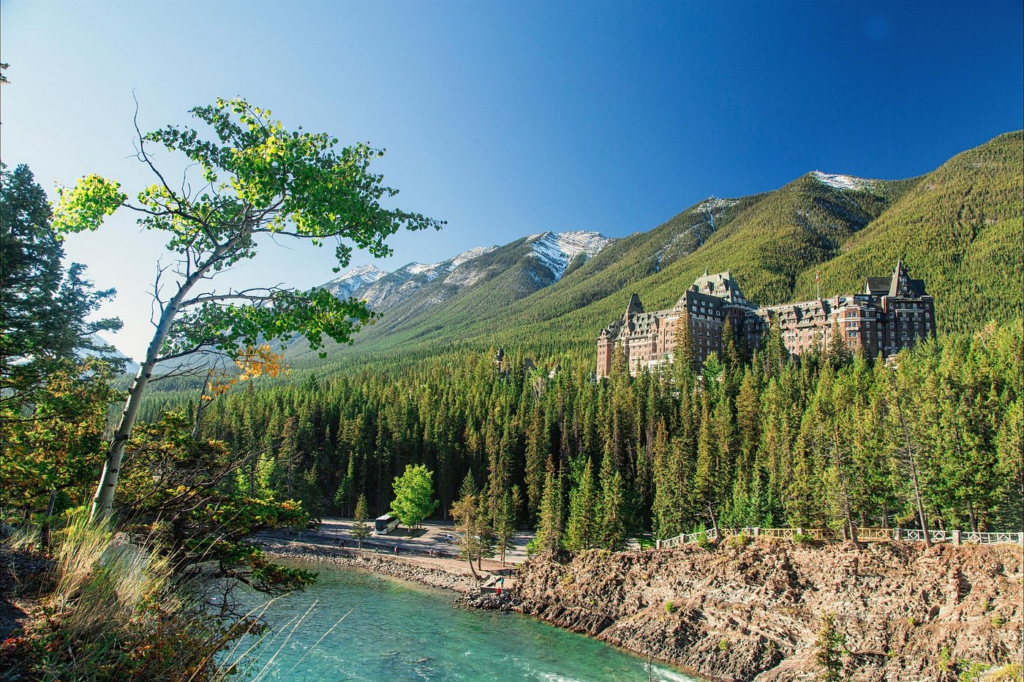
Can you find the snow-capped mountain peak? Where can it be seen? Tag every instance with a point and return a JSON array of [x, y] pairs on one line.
[[847, 182], [555, 250], [353, 279], [433, 270]]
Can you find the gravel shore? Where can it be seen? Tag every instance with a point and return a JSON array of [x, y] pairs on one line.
[[432, 573]]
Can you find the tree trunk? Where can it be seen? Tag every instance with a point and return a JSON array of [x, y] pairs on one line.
[[848, 512], [913, 472], [44, 536], [714, 522], [103, 501]]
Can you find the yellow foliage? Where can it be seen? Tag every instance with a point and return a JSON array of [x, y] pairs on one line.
[[252, 362]]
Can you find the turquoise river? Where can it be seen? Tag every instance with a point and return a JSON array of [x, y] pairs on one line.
[[353, 625]]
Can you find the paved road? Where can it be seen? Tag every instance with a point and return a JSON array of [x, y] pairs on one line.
[[434, 535]]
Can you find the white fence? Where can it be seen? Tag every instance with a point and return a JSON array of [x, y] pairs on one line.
[[956, 537]]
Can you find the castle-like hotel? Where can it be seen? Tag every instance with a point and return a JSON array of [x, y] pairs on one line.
[[892, 314]]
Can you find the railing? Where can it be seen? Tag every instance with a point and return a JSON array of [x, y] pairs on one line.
[[875, 534], [777, 533], [863, 535], [991, 538]]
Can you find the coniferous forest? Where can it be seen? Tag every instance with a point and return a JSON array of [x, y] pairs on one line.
[[754, 439], [256, 363]]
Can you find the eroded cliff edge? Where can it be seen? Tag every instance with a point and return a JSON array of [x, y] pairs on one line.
[[754, 612]]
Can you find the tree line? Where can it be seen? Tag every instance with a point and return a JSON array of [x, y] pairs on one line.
[[828, 439]]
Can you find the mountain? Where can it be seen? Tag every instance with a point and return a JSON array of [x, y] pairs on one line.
[[408, 296], [354, 279], [104, 349], [395, 287], [555, 251], [957, 227]]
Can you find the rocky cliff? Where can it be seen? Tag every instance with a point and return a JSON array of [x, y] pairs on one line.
[[754, 611]]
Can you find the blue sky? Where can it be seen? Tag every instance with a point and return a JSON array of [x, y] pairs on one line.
[[508, 119]]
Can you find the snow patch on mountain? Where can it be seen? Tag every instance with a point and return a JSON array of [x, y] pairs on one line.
[[354, 279], [434, 270], [555, 250], [846, 182], [715, 204]]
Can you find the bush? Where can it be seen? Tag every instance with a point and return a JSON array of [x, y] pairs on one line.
[[116, 613], [670, 608], [723, 644], [970, 671], [739, 541], [1008, 673], [830, 645]]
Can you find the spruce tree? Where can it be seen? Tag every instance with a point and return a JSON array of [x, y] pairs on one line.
[[360, 529], [683, 360], [537, 451], [613, 507], [550, 529], [505, 521], [581, 530], [705, 483]]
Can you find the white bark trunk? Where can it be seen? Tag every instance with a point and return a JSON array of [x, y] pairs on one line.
[[103, 501]]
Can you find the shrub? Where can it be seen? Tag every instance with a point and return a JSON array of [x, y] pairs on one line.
[[739, 541], [830, 649], [944, 660], [723, 644], [1008, 673], [116, 613], [670, 608], [970, 671]]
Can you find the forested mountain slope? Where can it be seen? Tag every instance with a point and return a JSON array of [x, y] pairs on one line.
[[957, 227]]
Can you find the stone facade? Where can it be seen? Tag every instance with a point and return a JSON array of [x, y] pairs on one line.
[[891, 314]]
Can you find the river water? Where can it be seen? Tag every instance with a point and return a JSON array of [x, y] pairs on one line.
[[353, 625]]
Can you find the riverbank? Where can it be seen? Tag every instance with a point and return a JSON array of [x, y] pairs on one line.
[[444, 574], [755, 611]]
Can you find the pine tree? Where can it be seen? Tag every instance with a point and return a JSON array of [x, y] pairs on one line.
[[613, 507], [537, 451], [360, 529], [549, 530], [464, 511], [505, 521], [581, 531]]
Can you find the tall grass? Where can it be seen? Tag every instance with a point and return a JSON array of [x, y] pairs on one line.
[[118, 612]]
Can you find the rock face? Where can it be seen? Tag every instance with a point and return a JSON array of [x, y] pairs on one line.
[[754, 612]]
